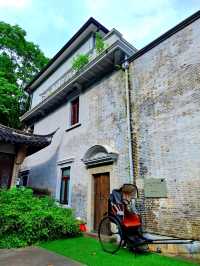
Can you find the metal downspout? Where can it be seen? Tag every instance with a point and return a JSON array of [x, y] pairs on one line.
[[128, 111]]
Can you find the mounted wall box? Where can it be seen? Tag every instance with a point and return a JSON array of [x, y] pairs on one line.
[[155, 188]]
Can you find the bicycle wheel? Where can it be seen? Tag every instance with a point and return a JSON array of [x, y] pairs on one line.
[[110, 234]]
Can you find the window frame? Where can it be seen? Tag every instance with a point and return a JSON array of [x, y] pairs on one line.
[[74, 111], [24, 175], [63, 180]]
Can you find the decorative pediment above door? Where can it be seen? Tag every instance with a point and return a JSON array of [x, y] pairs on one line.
[[98, 155]]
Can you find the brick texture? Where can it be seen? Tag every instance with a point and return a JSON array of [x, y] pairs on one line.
[[166, 131]]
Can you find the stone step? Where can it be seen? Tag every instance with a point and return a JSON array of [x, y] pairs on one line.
[[91, 234]]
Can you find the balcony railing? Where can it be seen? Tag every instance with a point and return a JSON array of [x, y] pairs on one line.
[[57, 84], [64, 78]]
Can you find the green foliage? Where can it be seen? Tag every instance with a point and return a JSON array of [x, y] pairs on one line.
[[80, 61], [7, 69], [20, 61], [26, 219], [99, 43], [13, 102]]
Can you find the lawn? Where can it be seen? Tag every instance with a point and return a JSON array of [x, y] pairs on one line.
[[88, 251]]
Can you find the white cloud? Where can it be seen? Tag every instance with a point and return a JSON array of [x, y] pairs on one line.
[[19, 4], [50, 23], [139, 21], [136, 20], [145, 29], [94, 6], [60, 22]]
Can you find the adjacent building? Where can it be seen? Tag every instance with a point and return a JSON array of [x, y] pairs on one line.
[[15, 145]]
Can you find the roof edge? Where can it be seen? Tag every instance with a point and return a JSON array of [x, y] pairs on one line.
[[165, 36], [26, 134]]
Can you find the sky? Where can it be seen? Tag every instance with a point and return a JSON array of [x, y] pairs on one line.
[[51, 23]]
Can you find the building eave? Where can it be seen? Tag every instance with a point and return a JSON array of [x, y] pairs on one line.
[[19, 138], [95, 69]]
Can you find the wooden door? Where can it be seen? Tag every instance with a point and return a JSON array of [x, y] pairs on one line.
[[101, 195]]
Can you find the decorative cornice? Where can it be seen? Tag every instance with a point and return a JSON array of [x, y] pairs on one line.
[[69, 160], [98, 155], [102, 160]]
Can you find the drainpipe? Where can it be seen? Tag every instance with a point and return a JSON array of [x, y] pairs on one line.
[[128, 111]]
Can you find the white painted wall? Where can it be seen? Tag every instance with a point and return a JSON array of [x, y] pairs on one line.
[[103, 122]]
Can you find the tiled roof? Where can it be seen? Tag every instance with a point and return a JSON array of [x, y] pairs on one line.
[[18, 137]]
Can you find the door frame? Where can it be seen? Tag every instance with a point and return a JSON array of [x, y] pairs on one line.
[[90, 198], [97, 174]]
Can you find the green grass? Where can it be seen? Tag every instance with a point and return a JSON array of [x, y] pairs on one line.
[[88, 251]]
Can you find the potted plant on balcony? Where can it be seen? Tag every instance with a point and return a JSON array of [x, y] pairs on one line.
[[80, 61]]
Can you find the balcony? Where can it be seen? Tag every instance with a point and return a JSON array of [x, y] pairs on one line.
[[98, 66]]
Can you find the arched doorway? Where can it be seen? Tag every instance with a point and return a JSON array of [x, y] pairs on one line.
[[99, 159]]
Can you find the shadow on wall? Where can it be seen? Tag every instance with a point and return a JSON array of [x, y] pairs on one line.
[[43, 175]]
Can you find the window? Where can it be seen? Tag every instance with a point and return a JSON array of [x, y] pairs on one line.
[[75, 111], [64, 187], [24, 178]]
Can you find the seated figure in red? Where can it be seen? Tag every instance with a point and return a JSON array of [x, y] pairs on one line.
[[123, 205], [131, 217]]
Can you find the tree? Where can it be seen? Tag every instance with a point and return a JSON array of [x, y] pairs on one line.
[[13, 102], [20, 61]]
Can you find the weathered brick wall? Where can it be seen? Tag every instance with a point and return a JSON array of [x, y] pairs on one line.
[[166, 129]]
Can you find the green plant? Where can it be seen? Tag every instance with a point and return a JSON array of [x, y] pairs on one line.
[[99, 44], [26, 219], [80, 61]]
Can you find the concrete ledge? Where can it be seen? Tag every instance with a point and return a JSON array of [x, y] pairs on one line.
[[190, 251], [90, 234], [73, 126]]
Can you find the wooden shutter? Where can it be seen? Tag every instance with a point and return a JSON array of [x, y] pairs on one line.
[[64, 188], [75, 111]]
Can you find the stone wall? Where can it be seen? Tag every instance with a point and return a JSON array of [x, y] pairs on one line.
[[165, 85]]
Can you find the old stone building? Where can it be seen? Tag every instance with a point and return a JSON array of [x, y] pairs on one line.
[[126, 116], [88, 155]]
